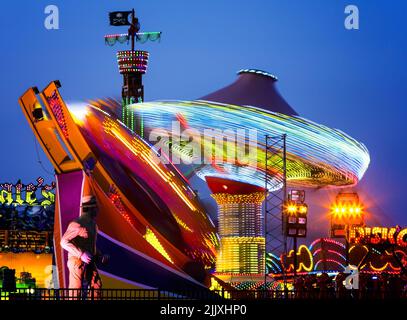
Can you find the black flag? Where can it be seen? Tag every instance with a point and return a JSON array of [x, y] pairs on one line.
[[119, 18]]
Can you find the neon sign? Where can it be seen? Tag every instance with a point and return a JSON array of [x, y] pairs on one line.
[[379, 235], [26, 195], [304, 257]]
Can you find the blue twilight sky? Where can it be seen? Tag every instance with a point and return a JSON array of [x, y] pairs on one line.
[[352, 80]]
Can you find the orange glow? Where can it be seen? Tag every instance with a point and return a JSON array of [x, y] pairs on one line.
[[347, 213], [146, 155], [292, 209], [36, 264], [303, 209]]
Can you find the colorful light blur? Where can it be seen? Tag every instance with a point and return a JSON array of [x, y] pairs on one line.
[[170, 195], [317, 156]]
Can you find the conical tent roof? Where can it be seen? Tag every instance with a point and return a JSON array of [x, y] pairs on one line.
[[253, 88]]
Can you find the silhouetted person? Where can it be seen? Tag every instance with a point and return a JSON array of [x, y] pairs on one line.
[[323, 281], [339, 287], [299, 287], [80, 241]]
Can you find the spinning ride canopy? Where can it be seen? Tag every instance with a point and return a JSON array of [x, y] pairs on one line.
[[241, 114], [317, 156]]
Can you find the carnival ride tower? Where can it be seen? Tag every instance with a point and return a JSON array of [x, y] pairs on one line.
[[132, 66], [241, 232]]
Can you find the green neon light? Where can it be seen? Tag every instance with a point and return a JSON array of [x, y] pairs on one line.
[[123, 111], [141, 126]]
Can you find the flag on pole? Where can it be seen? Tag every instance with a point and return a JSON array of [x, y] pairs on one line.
[[119, 18]]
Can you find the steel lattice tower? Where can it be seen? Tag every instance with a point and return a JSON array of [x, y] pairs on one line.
[[274, 228]]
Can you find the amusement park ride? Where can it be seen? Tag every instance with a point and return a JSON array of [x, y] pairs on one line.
[[132, 65], [151, 220]]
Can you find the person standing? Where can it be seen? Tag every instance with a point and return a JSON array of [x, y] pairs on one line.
[[79, 240]]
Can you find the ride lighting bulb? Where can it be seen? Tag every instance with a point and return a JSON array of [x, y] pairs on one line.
[[292, 209], [303, 209]]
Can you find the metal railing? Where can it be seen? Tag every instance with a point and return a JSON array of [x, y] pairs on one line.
[[41, 294]]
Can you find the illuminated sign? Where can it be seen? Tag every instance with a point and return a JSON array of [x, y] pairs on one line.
[[19, 194], [304, 257], [379, 235]]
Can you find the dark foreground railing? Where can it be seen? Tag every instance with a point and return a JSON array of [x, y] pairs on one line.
[[136, 294], [39, 294]]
